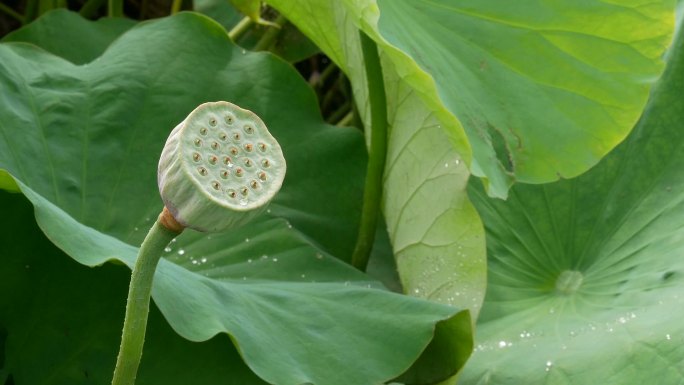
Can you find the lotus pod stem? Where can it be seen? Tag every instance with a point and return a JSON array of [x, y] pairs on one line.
[[220, 168]]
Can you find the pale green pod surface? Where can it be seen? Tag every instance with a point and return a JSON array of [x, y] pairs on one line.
[[220, 168]]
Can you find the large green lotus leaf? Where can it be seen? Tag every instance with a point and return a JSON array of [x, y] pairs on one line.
[[63, 320], [87, 40], [586, 275], [83, 142], [543, 88], [437, 236]]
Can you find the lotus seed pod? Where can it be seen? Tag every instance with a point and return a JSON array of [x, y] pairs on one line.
[[220, 168]]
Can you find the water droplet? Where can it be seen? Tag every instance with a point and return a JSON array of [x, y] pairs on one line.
[[194, 262], [622, 320], [416, 291], [268, 211], [167, 249], [446, 164], [319, 256], [275, 259], [204, 259], [174, 240], [243, 202], [135, 229], [181, 252], [289, 225], [244, 51], [246, 239], [572, 333], [249, 260], [668, 337], [502, 344], [552, 310], [549, 364], [303, 275], [457, 162]]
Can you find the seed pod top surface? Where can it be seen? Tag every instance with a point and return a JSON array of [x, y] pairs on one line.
[[219, 168]]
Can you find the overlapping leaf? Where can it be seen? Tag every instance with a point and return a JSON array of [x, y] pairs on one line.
[[587, 275], [83, 142]]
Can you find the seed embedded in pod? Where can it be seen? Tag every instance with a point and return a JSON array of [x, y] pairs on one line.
[[239, 171], [254, 184], [234, 151], [248, 162], [227, 160], [262, 147], [213, 159], [203, 131], [249, 147], [212, 122], [196, 157], [228, 119], [249, 129], [224, 174], [232, 193], [244, 191], [216, 185], [198, 142], [223, 136], [236, 136], [202, 171], [262, 176], [265, 163], [215, 146]]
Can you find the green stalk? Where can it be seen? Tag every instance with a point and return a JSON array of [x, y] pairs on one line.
[[9, 11], [138, 303], [31, 11], [115, 8], [240, 28], [176, 6], [376, 157], [270, 35]]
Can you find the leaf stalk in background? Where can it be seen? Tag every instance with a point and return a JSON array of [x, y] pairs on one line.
[[376, 157], [240, 28]]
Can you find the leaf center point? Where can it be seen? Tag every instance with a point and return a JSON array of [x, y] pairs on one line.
[[569, 281]]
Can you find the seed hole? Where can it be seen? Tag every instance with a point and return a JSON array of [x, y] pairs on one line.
[[213, 159], [249, 129], [244, 191], [262, 147], [262, 176], [203, 131], [232, 193], [202, 171], [239, 172], [212, 122], [223, 136], [196, 157], [234, 150], [215, 146], [198, 142], [248, 162], [228, 119], [224, 174], [254, 184], [265, 163], [227, 160], [216, 185], [249, 147], [236, 136]]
